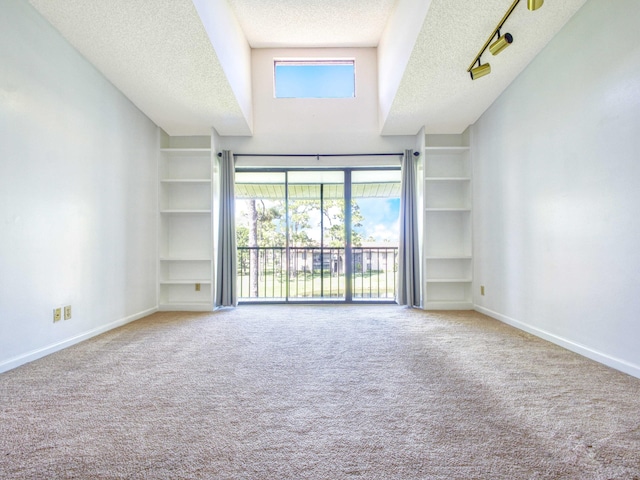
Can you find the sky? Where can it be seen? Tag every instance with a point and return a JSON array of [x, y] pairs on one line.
[[381, 218], [315, 81]]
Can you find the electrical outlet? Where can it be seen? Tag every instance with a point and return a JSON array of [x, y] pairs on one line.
[[57, 314], [67, 312], [197, 287], [481, 289]]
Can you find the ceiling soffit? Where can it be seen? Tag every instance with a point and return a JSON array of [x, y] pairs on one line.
[[436, 90], [158, 54]]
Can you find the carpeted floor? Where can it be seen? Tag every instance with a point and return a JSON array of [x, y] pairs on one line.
[[318, 392]]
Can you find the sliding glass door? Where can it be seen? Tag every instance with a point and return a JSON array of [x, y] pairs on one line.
[[317, 235]]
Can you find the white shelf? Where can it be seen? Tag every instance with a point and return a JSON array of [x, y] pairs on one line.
[[183, 259], [453, 149], [453, 305], [185, 201], [450, 163], [448, 266], [175, 293], [186, 236], [178, 164], [185, 150], [448, 280], [185, 306], [181, 303], [447, 179], [454, 209], [173, 212], [186, 180]]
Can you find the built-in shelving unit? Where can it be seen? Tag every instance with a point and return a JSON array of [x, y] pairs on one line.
[[186, 247], [447, 224]]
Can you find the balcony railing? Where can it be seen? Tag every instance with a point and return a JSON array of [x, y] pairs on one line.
[[316, 273]]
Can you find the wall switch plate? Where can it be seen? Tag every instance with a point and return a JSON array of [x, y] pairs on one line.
[[57, 314], [67, 312]]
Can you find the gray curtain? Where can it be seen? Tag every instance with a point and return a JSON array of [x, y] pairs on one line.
[[226, 290], [408, 253]]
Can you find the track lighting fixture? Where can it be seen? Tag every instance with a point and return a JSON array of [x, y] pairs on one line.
[[502, 41], [480, 71], [534, 4]]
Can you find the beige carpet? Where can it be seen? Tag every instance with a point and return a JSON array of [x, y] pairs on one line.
[[328, 392]]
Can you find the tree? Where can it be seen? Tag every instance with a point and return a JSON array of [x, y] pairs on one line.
[[253, 244], [267, 223], [270, 233], [242, 236], [299, 222], [261, 230], [335, 216]]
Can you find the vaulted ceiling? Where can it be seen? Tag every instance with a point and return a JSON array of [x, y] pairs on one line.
[[161, 55]]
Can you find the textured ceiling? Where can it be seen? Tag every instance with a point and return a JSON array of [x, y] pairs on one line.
[[312, 23], [436, 90], [158, 54]]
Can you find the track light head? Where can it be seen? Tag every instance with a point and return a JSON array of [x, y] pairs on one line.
[[480, 71], [534, 4], [501, 43]]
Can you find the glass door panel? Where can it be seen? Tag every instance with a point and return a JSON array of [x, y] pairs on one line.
[[316, 235], [375, 209], [261, 235]]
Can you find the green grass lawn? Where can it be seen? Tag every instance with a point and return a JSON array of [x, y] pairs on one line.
[[305, 285]]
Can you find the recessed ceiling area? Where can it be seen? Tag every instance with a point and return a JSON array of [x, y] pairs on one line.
[[309, 24], [160, 49]]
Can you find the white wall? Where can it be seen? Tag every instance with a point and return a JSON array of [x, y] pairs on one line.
[[395, 48], [297, 125], [556, 190], [78, 196]]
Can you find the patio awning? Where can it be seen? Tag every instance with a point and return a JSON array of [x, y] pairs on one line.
[[310, 192]]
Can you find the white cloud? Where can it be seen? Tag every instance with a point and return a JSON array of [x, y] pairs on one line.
[[384, 232]]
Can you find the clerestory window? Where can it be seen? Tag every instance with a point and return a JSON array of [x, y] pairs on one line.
[[314, 78]]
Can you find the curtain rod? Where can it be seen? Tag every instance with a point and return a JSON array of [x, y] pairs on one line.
[[318, 155]]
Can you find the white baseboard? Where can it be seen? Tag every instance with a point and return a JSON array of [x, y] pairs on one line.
[[605, 359], [42, 352]]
